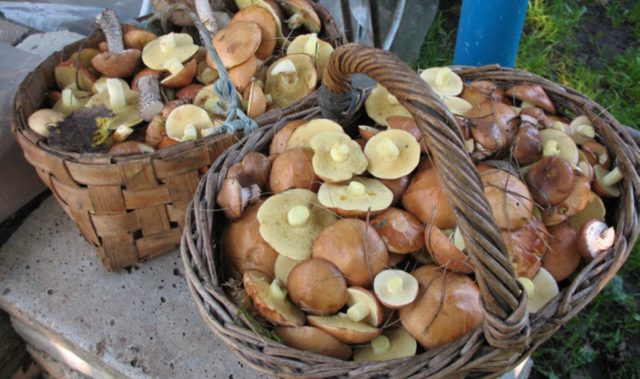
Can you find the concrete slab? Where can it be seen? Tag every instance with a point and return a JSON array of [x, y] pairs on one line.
[[12, 33], [44, 44], [138, 323]]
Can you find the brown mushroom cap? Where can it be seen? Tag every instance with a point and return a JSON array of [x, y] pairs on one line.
[[509, 197], [495, 126], [397, 343], [344, 329], [183, 77], [40, 121], [233, 197], [189, 92], [363, 306], [314, 340], [290, 222], [533, 94], [395, 288], [594, 238], [597, 154], [237, 42], [432, 320], [256, 101], [293, 169], [117, 65], [279, 141], [263, 18], [392, 153], [562, 257], [360, 197], [290, 78], [526, 247], [244, 246], [426, 199], [136, 38], [273, 305], [594, 209], [606, 182], [355, 248], [572, 205], [336, 157], [67, 73], [317, 286], [550, 180], [400, 230], [253, 169], [444, 251], [527, 146], [397, 186], [242, 74], [380, 105], [301, 13]]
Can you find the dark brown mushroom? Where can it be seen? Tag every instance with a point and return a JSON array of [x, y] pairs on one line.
[[117, 62], [550, 180]]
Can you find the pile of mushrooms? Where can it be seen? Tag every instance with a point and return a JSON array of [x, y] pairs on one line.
[[160, 89], [352, 241]]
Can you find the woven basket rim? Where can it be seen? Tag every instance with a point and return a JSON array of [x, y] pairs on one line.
[[19, 118], [469, 355]]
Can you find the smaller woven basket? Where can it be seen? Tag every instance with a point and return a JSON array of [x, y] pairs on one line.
[[130, 208], [509, 333]]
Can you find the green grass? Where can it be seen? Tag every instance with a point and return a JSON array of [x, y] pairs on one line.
[[571, 42]]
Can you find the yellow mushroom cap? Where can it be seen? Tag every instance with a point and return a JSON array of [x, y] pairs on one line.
[[290, 78], [337, 157], [381, 105], [186, 119], [164, 49], [397, 343], [392, 153], [290, 221], [443, 81], [311, 45], [302, 135], [360, 195]]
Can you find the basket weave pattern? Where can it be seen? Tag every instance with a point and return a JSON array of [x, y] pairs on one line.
[[130, 208], [509, 333]]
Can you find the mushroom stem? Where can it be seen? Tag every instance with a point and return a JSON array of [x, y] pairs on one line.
[[121, 133], [276, 290], [174, 66], [339, 152], [586, 131], [395, 285], [298, 215], [356, 189], [107, 20], [150, 103], [295, 21], [190, 133], [458, 241], [69, 99], [388, 150], [380, 344], [358, 311], [205, 14], [613, 177], [550, 148], [117, 97], [311, 46]]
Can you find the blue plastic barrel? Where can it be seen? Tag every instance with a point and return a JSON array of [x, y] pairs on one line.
[[489, 32]]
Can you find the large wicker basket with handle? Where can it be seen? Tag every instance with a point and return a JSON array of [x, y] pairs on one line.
[[130, 208], [509, 333]]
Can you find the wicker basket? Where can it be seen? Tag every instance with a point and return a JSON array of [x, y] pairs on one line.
[[130, 208], [509, 333]]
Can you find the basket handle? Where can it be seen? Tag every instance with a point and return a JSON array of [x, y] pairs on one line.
[[506, 322]]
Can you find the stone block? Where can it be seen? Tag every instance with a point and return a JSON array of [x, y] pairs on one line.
[[12, 33], [44, 44]]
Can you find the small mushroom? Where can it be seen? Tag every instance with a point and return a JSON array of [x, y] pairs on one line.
[[69, 72], [363, 306], [344, 329], [242, 74], [442, 81], [314, 47], [533, 116], [408, 124], [426, 199], [115, 94], [41, 120], [395, 288], [360, 197], [480, 91], [267, 24], [256, 101], [380, 105], [562, 257], [317, 286], [594, 238], [293, 169], [169, 51], [527, 146], [283, 267], [280, 139], [84, 57], [509, 198], [606, 182], [366, 132], [494, 127], [271, 300], [355, 248], [434, 321], [391, 344], [237, 42], [116, 62], [180, 75], [301, 135], [533, 94], [572, 205], [543, 288], [136, 38], [314, 340], [187, 122], [253, 169], [209, 100], [551, 180], [245, 248], [594, 209], [392, 154], [526, 247], [301, 13], [233, 198], [290, 78], [447, 249], [400, 230], [189, 92], [557, 143], [581, 130], [71, 100], [290, 222], [336, 157], [596, 154], [205, 74], [130, 148]]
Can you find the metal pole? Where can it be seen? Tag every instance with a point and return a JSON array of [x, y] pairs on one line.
[[489, 32]]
